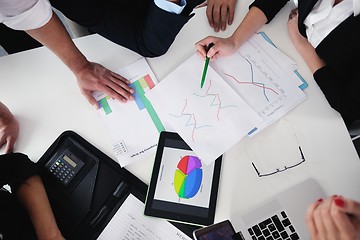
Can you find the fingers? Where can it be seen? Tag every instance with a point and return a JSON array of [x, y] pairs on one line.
[[327, 220], [231, 14], [223, 17], [209, 13], [202, 44], [97, 77], [10, 142], [220, 13], [343, 222], [310, 222], [120, 87], [348, 206]]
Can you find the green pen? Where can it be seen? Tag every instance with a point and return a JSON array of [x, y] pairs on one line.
[[206, 65]]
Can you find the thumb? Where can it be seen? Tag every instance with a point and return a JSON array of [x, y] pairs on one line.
[[91, 99], [9, 147]]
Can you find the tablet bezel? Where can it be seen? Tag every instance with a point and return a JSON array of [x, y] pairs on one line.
[[178, 217]]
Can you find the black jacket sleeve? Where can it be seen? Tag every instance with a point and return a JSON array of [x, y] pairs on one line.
[[15, 168], [269, 7]]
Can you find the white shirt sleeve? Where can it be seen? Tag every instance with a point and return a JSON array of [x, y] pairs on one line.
[[171, 7], [25, 14]]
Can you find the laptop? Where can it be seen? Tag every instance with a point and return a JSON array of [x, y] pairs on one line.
[[282, 216]]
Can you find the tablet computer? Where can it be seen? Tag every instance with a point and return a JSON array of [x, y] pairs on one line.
[[182, 187]]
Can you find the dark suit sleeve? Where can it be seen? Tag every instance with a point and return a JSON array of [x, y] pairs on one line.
[[15, 168], [343, 96], [159, 31], [269, 7]]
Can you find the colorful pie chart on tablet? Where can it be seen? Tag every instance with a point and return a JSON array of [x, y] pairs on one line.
[[188, 177]]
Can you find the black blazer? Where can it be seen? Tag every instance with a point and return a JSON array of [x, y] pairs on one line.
[[138, 25], [340, 78]]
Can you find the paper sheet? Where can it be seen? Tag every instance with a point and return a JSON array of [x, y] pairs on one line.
[[133, 127], [210, 119], [255, 75], [130, 223]]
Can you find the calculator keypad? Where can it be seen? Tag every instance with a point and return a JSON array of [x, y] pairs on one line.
[[62, 171]]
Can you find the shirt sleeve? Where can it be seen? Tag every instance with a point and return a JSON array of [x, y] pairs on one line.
[[171, 7], [20, 16]]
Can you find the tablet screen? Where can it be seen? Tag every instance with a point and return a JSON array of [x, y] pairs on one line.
[[182, 187]]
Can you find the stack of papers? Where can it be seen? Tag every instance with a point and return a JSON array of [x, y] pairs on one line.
[[243, 93]]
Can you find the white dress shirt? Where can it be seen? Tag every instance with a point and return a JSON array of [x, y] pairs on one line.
[[325, 17], [25, 14]]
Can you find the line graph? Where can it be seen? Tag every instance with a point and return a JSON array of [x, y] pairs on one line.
[[216, 100], [191, 120], [256, 84], [254, 80]]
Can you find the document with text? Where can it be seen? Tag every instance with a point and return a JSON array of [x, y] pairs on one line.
[[130, 223]]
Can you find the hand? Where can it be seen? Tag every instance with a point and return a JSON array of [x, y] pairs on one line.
[[293, 29], [220, 13], [306, 50], [221, 47], [334, 218], [96, 77], [9, 128]]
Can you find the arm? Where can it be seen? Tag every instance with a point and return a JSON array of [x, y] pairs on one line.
[[33, 196], [9, 128], [220, 13], [334, 218], [90, 76], [253, 20], [306, 50]]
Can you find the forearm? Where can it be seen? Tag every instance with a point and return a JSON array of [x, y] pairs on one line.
[[33, 196], [54, 36], [252, 22], [308, 53]]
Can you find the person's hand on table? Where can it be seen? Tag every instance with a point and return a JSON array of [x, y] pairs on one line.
[[220, 13], [334, 218], [9, 129], [221, 47], [96, 77]]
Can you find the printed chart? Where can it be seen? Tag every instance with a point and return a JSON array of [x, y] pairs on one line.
[[256, 86], [126, 123], [188, 177], [141, 86], [260, 81], [183, 178], [209, 119]]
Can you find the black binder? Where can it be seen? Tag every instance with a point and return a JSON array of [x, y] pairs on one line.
[[86, 187]]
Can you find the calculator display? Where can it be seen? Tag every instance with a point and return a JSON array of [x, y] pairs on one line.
[[68, 160], [65, 167]]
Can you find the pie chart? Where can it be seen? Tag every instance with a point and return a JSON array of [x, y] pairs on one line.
[[188, 177]]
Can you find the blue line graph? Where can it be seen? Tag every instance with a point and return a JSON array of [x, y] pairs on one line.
[[257, 84], [191, 122], [216, 101]]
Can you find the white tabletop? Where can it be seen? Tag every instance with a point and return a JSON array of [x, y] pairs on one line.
[[44, 96]]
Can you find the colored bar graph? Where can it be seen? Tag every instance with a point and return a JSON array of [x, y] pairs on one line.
[[103, 103], [142, 102]]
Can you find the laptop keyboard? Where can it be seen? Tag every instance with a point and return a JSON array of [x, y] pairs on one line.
[[275, 227]]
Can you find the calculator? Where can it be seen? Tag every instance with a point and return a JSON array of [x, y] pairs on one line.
[[65, 167]]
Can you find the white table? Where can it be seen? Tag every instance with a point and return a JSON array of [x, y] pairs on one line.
[[44, 96]]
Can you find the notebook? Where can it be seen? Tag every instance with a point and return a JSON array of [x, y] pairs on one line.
[[282, 216]]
